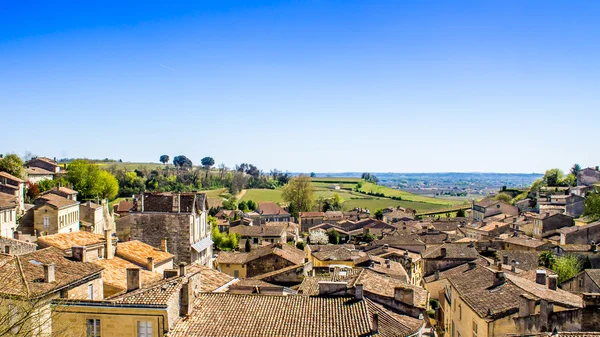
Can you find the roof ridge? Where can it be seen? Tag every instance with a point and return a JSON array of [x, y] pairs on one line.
[[20, 268]]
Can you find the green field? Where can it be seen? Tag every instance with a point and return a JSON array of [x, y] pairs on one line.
[[260, 195], [390, 192], [377, 203], [214, 193], [132, 166]]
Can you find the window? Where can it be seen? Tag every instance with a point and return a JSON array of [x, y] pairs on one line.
[[91, 291], [93, 328], [474, 329], [46, 221], [144, 329]]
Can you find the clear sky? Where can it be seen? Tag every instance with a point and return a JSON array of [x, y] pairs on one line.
[[324, 86]]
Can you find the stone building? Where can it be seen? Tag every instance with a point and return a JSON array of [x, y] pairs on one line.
[[310, 219], [180, 218], [489, 207], [10, 246], [588, 176], [55, 214], [8, 216], [92, 217], [13, 187], [446, 256], [587, 281], [259, 261], [580, 234], [269, 211], [547, 223], [45, 164]]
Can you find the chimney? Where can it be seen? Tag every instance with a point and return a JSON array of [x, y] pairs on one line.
[[182, 269], [150, 263], [499, 266], [109, 251], [472, 265], [375, 328], [515, 264], [386, 246], [500, 279], [163, 245], [49, 273], [552, 282], [7, 249], [527, 305], [186, 299], [437, 275], [358, 291], [443, 252], [168, 273], [388, 263], [134, 280], [79, 253], [176, 202], [405, 295], [540, 277], [505, 259]]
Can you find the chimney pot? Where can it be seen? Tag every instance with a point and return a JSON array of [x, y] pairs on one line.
[[505, 259], [515, 264], [552, 282], [134, 280], [49, 273], [358, 291], [500, 278], [375, 323], [150, 263], [182, 266], [540, 277]]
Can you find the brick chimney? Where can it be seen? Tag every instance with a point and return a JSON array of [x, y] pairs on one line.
[[186, 299], [358, 291], [540, 277], [163, 245], [375, 327], [405, 295], [49, 273], [552, 282], [109, 251], [150, 263], [134, 279], [79, 253]]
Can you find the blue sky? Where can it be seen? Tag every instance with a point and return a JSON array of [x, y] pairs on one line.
[[324, 86]]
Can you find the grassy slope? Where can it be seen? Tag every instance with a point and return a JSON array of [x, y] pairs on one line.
[[390, 192], [259, 195]]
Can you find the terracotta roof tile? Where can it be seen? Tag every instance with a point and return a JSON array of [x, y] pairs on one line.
[[270, 208], [55, 200], [258, 231], [285, 251], [139, 252], [11, 177], [453, 251], [65, 241], [37, 171], [115, 273]]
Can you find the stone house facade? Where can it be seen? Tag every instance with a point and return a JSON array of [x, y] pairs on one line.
[[544, 224], [587, 281], [178, 217], [54, 214], [13, 187], [490, 207], [8, 216], [588, 176]]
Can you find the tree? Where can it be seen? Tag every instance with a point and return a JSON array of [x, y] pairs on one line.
[[536, 185], [575, 169], [164, 159], [566, 267], [207, 162], [553, 177], [318, 238], [107, 186], [230, 204], [90, 181], [182, 161], [334, 237], [300, 245], [248, 246], [592, 206], [460, 213], [547, 259], [243, 206], [252, 206], [33, 192], [313, 175], [379, 214], [13, 165], [504, 197], [293, 210], [569, 180], [299, 191]]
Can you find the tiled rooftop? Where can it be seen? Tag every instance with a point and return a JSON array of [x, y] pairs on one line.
[[138, 252], [65, 241]]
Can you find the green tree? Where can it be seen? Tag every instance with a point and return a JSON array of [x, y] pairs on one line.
[[300, 192], [293, 210], [569, 180], [251, 205], [379, 214], [164, 159], [592, 206], [13, 165], [182, 161], [243, 206], [230, 204], [300, 245], [207, 162], [248, 246], [566, 267], [547, 259], [553, 177], [504, 197], [90, 181], [334, 237], [106, 185], [575, 169], [536, 185]]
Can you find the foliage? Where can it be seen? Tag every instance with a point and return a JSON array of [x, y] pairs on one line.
[[553, 177], [369, 177], [90, 181], [366, 237], [33, 191], [164, 159], [334, 237], [300, 245], [207, 162], [592, 206], [379, 214], [13, 165], [247, 246], [313, 175], [547, 259], [230, 204], [182, 161], [460, 213], [243, 206], [536, 185], [569, 180], [293, 210], [566, 267], [504, 197], [318, 238], [252, 206], [300, 192], [223, 241], [575, 169]]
